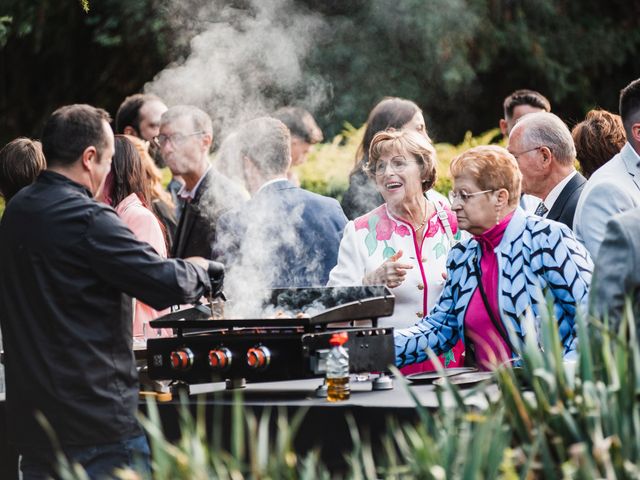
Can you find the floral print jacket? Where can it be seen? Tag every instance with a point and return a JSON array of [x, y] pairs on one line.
[[371, 239]]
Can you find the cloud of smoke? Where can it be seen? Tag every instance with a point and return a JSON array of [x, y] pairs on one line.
[[243, 62]]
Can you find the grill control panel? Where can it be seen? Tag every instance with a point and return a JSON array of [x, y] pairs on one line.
[[263, 356]]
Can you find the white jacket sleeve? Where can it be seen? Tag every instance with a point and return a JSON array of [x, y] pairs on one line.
[[351, 265]]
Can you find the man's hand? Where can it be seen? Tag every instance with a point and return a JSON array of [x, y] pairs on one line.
[[391, 273], [215, 271], [200, 261]]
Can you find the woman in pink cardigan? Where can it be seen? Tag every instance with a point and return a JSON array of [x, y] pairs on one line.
[[128, 192]]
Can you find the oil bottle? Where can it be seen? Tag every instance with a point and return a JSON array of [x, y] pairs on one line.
[[338, 387]]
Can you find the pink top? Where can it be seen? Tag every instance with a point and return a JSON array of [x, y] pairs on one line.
[[146, 227], [490, 348]]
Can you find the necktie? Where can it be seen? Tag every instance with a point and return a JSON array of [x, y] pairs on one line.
[[541, 210]]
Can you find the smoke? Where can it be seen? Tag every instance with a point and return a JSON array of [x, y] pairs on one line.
[[249, 281], [243, 63]]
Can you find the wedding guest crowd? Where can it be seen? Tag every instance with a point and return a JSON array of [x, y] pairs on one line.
[[93, 247]]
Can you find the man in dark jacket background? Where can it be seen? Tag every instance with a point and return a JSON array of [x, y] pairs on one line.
[[284, 236]]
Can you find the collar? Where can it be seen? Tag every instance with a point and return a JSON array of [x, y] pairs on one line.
[[491, 238], [132, 200], [631, 158], [189, 195], [51, 177], [556, 191], [271, 182], [514, 230]]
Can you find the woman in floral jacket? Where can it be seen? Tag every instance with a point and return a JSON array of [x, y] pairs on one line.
[[404, 242]]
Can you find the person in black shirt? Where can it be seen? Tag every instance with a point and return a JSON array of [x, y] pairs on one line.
[[67, 263]]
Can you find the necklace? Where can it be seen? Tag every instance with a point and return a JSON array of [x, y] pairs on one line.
[[424, 220]]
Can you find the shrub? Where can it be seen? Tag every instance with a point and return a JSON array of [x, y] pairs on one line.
[[549, 419], [327, 169]]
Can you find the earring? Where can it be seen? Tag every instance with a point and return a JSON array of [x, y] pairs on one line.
[[497, 217]]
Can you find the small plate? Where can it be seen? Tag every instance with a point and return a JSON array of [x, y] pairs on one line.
[[465, 379], [428, 377]]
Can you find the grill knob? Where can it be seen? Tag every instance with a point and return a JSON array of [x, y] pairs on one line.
[[182, 359], [220, 358], [258, 357]]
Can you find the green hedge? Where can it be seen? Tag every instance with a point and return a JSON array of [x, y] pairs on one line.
[[326, 171]]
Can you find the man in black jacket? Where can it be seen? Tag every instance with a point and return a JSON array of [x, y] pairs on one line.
[[185, 139], [66, 259], [543, 146]]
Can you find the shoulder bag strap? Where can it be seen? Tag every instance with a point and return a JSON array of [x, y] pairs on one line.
[[444, 219]]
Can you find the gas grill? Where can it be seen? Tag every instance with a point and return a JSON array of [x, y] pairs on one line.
[[292, 344]]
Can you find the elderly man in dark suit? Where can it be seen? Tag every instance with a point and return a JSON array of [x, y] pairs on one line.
[[283, 236], [544, 149], [185, 138], [617, 273]]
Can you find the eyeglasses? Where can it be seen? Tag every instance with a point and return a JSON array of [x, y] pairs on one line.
[[398, 165], [516, 155], [176, 139], [464, 196]]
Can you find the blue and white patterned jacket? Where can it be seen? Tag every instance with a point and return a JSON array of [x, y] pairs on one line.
[[535, 255]]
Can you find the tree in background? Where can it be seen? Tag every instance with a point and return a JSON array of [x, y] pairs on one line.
[[457, 59]]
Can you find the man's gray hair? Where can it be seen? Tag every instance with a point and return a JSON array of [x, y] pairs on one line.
[[544, 129], [266, 142], [200, 119]]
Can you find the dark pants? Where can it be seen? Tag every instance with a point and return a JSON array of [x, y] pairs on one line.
[[99, 461]]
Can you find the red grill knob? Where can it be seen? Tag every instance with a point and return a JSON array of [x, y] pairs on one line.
[[258, 357], [182, 359], [219, 358]]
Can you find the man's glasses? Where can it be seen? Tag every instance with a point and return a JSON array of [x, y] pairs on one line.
[[463, 196], [176, 139], [397, 165], [516, 155]]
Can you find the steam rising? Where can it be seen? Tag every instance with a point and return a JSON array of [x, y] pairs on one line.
[[243, 62]]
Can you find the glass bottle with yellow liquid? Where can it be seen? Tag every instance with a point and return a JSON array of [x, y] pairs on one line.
[[338, 387]]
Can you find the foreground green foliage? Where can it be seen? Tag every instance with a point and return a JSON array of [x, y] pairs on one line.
[[551, 419]]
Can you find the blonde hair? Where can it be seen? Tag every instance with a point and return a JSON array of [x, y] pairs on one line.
[[409, 142], [151, 172], [492, 168]]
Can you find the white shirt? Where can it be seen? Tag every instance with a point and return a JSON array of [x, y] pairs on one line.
[[529, 203], [274, 180], [555, 192], [188, 195]]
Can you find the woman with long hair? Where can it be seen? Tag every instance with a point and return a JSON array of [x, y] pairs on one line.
[[127, 190], [161, 202]]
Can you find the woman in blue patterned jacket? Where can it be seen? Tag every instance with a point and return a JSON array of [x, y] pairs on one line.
[[500, 273]]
